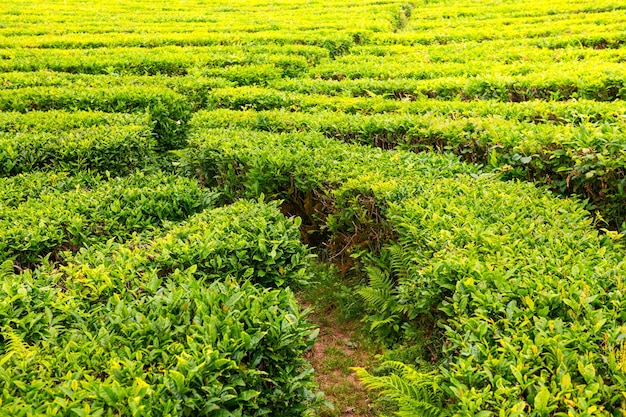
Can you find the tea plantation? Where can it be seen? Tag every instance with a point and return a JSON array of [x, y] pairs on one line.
[[172, 172]]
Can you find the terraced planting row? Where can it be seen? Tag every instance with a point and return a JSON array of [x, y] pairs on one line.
[[171, 173]]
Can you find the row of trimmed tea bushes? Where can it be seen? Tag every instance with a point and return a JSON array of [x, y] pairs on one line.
[[62, 120], [194, 88], [172, 326], [259, 244], [425, 31], [330, 43], [74, 18], [440, 130], [588, 160], [171, 61], [259, 67], [22, 187], [60, 213], [461, 24], [523, 13], [369, 96], [116, 149], [557, 10], [261, 98], [536, 111], [533, 34], [169, 111], [244, 161], [74, 141], [594, 44], [596, 41], [386, 69], [365, 96], [532, 302], [326, 42], [549, 343], [607, 36], [592, 84], [499, 52]]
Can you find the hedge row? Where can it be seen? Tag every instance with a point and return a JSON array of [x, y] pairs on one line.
[[518, 55], [366, 61], [143, 337], [587, 160], [61, 213], [529, 295], [377, 24], [62, 120], [169, 111], [75, 141], [357, 97], [119, 150], [22, 187], [354, 67], [590, 83], [169, 61], [194, 88]]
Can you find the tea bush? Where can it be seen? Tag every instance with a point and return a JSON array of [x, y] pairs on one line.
[[67, 213], [119, 150], [494, 297], [169, 111], [480, 257]]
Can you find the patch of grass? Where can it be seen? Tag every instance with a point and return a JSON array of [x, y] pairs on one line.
[[343, 343]]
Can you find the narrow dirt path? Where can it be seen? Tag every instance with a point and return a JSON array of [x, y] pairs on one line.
[[339, 347]]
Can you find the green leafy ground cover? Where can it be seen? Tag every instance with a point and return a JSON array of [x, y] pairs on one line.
[[169, 170]]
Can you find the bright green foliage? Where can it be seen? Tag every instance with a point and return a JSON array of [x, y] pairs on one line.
[[242, 240], [304, 160], [119, 150], [415, 394], [327, 106], [22, 187], [61, 120], [532, 298], [194, 88], [117, 143], [169, 111], [583, 158], [66, 213], [551, 85], [482, 257], [126, 339]]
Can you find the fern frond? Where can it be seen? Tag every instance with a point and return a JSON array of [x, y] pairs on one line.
[[15, 344], [378, 323], [415, 393], [401, 260], [6, 268], [379, 294], [397, 255], [404, 309], [379, 279], [375, 299]]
